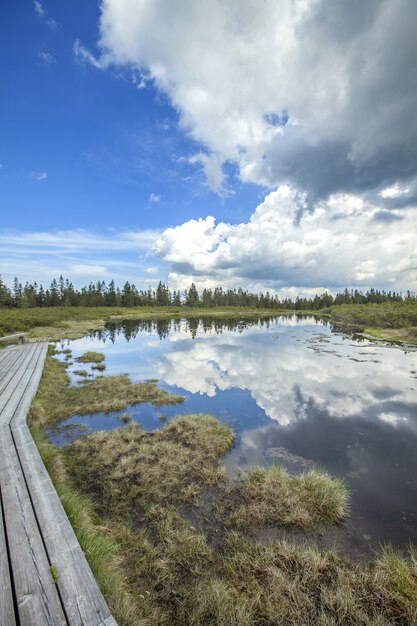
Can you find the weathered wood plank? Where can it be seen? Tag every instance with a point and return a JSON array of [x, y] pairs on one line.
[[80, 594], [35, 367], [15, 383], [9, 361], [6, 596], [110, 621], [15, 336], [10, 365], [36, 595], [38, 531]]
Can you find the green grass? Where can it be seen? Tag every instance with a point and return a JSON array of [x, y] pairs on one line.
[[391, 321], [56, 400]]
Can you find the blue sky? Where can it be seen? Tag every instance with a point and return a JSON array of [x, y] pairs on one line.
[[125, 126]]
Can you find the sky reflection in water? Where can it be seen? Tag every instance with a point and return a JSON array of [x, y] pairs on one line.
[[294, 392]]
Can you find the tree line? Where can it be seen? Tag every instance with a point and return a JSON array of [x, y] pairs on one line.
[[62, 292]]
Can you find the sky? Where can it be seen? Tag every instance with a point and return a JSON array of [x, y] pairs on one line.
[[263, 144]]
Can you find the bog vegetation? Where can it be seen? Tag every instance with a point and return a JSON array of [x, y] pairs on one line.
[[172, 540]]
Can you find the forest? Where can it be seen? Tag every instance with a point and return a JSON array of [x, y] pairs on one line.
[[62, 292]]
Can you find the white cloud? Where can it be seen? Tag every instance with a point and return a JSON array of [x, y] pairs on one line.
[[89, 270], [43, 14], [343, 243], [154, 197], [212, 167], [152, 270], [45, 56], [80, 255], [394, 191], [83, 55], [317, 94], [39, 176], [39, 8]]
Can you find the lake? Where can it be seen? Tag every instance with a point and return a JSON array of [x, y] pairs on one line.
[[295, 393]]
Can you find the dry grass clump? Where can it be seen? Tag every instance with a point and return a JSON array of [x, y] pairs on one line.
[[130, 469], [178, 578], [56, 400], [90, 357], [271, 496]]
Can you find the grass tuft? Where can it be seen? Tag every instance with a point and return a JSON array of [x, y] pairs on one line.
[[90, 357], [271, 496]]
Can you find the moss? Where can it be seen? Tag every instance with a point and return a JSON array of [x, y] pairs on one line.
[[56, 400], [54, 573]]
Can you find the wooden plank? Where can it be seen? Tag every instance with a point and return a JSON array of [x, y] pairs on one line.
[[80, 594], [110, 621], [42, 534], [7, 363], [14, 384], [35, 368], [15, 336], [36, 595], [14, 363], [6, 596]]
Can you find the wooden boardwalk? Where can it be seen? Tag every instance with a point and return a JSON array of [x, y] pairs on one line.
[[36, 537]]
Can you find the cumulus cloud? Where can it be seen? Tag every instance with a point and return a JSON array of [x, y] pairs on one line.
[[321, 95], [154, 197], [344, 242]]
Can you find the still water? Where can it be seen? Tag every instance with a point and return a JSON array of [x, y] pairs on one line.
[[294, 392]]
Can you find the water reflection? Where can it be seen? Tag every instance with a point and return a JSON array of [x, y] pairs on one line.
[[295, 393]]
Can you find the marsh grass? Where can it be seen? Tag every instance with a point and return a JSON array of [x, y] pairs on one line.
[[96, 540], [130, 469], [82, 373], [100, 367], [126, 418], [56, 400], [271, 496], [172, 541], [190, 559], [91, 357]]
